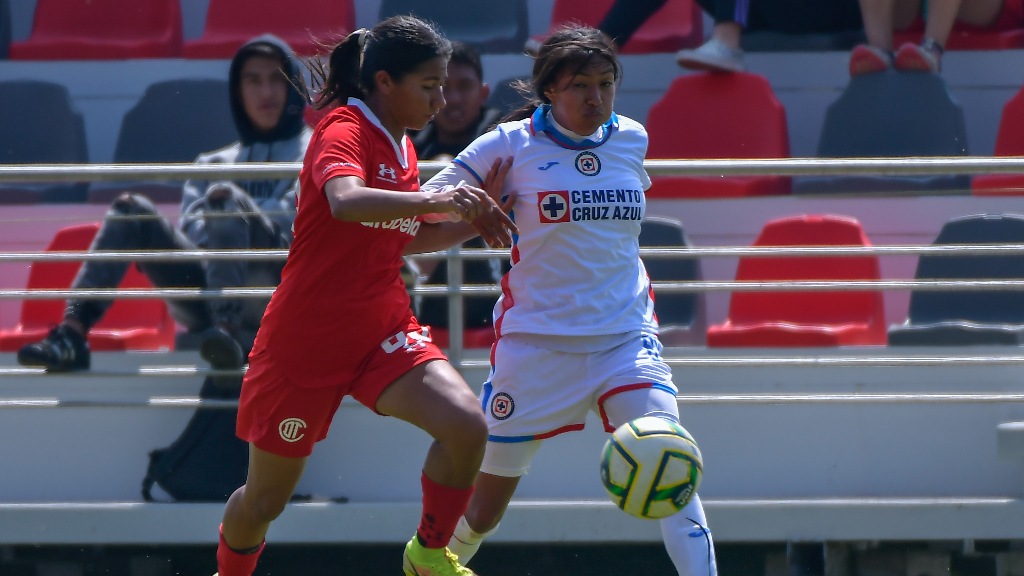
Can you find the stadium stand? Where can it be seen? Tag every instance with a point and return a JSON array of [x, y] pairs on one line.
[[1006, 33], [308, 26], [492, 27], [710, 115], [504, 97], [919, 118], [49, 129], [804, 318], [1009, 142], [102, 30], [130, 324], [678, 24], [5, 28], [682, 316], [959, 317], [174, 121]]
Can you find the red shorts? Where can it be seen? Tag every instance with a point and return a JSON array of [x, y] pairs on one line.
[[281, 417]]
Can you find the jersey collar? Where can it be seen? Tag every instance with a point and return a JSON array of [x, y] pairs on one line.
[[400, 148], [539, 123]]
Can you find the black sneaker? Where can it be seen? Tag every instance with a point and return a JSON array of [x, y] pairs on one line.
[[221, 350], [62, 350]]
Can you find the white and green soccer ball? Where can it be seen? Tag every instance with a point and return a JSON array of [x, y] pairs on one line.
[[651, 467]]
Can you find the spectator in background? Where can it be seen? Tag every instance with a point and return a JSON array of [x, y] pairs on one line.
[[882, 17], [268, 113], [464, 117], [723, 51]]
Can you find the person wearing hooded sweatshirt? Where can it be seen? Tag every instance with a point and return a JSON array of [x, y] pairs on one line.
[[267, 104]]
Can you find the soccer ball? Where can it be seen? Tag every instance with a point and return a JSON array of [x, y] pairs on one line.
[[651, 467]]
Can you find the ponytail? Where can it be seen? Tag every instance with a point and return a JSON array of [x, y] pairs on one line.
[[335, 83]]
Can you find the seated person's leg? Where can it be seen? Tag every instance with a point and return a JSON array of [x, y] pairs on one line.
[[131, 223]]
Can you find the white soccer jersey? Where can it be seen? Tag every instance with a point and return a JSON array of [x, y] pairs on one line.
[[576, 268]]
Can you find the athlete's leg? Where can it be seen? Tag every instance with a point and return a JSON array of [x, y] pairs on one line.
[[504, 464], [686, 534], [250, 510], [433, 397]]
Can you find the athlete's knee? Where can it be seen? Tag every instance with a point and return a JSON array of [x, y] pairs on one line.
[[467, 429], [264, 506]]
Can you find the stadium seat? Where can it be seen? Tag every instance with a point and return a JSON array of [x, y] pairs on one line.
[[918, 117], [49, 129], [708, 116], [492, 27], [308, 26], [174, 121], [143, 324], [102, 30], [805, 318], [681, 315], [504, 96], [1009, 142], [676, 25], [1006, 33], [968, 317], [5, 28]]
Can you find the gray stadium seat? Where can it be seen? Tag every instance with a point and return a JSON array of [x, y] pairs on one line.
[[492, 27], [682, 315], [40, 126], [5, 28], [968, 317], [504, 97], [891, 114], [174, 121]]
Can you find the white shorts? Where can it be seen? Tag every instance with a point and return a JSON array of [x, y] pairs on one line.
[[534, 393]]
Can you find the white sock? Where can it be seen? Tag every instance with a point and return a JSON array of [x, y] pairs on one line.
[[688, 541], [466, 541]]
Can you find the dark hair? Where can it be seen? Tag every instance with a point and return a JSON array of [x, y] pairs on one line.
[[467, 55], [396, 45], [570, 49]]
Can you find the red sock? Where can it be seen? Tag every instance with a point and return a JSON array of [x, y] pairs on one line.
[[232, 563], [442, 508]]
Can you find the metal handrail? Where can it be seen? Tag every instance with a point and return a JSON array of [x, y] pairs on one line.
[[488, 253], [905, 166]]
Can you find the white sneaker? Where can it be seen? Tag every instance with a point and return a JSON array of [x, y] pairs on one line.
[[713, 56]]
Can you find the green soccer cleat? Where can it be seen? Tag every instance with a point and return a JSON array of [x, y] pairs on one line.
[[420, 561]]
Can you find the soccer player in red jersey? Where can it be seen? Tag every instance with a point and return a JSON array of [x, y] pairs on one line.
[[339, 323]]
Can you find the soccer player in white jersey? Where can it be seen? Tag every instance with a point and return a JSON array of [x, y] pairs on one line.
[[575, 323]]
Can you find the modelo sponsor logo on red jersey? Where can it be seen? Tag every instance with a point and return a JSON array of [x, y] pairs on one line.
[[557, 206], [409, 225]]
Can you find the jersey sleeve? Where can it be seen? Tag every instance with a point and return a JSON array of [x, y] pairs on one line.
[[477, 158], [341, 151]]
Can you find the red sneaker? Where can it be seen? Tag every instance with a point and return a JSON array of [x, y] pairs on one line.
[[869, 60], [914, 58]]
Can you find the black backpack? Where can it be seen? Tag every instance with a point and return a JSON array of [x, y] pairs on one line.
[[207, 462]]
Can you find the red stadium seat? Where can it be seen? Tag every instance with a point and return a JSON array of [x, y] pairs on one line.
[[1006, 32], [102, 30], [133, 324], [678, 24], [709, 116], [1009, 142], [801, 318], [303, 24]]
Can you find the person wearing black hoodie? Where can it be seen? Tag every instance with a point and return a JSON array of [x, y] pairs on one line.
[[267, 105]]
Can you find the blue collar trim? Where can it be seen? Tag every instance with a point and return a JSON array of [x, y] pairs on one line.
[[539, 123]]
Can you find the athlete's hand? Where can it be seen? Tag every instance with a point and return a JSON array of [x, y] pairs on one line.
[[497, 228]]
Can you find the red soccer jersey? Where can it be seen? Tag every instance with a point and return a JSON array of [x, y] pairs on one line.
[[341, 293]]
